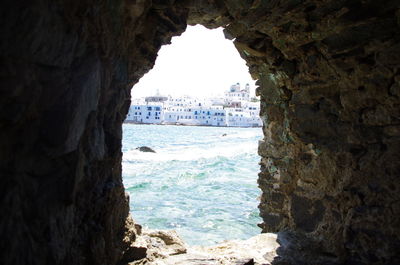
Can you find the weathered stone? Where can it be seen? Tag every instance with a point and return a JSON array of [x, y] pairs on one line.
[[260, 249], [297, 248], [307, 214], [156, 244]]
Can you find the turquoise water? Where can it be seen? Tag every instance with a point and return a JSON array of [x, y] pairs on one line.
[[200, 183]]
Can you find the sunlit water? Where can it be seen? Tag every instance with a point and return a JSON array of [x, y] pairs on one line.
[[199, 182]]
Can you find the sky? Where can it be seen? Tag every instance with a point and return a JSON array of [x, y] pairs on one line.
[[200, 62]]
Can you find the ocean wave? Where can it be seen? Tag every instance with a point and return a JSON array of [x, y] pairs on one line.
[[189, 153], [199, 182]]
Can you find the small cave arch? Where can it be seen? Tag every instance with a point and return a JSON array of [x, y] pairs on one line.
[[210, 63], [66, 72]]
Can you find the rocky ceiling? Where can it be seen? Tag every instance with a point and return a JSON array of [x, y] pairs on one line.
[[328, 77]]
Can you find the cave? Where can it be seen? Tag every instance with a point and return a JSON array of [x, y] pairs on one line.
[[328, 77]]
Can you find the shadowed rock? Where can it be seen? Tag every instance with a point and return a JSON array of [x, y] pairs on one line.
[[145, 149]]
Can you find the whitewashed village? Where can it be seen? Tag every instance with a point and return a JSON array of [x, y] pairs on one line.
[[235, 109]]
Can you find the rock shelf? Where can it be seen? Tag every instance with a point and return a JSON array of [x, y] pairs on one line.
[[167, 248]]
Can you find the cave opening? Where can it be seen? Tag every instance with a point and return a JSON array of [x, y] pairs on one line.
[[202, 178]]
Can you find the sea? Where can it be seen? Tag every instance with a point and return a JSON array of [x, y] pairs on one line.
[[201, 182]]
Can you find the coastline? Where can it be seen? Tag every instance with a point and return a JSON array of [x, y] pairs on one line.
[[176, 124]]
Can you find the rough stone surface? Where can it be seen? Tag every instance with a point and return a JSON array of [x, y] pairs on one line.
[[159, 245], [166, 248], [329, 81]]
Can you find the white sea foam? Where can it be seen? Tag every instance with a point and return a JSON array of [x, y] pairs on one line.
[[187, 153], [242, 135], [199, 182]]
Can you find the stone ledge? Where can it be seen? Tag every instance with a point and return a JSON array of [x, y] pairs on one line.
[[167, 248]]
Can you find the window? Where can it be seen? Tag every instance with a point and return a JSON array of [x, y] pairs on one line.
[[148, 108], [149, 113], [157, 108]]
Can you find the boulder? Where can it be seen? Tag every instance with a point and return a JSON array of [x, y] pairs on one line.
[[145, 149]]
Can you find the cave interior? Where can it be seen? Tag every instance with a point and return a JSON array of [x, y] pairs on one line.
[[328, 74]]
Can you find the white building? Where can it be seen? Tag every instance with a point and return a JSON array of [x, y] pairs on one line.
[[242, 117], [236, 94], [149, 112], [210, 115], [235, 109]]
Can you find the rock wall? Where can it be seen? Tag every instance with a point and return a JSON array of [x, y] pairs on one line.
[[328, 73], [67, 68], [328, 77]]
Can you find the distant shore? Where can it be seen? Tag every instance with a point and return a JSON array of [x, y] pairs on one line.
[[180, 124]]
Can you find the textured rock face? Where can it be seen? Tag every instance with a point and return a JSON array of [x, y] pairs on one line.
[[330, 166], [166, 248], [328, 76], [66, 73]]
